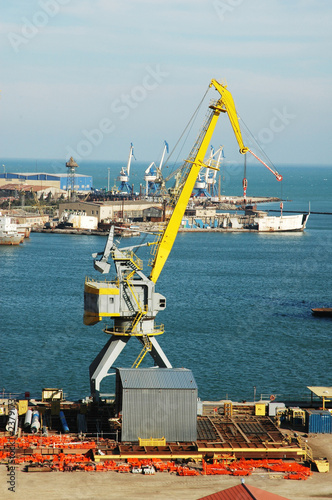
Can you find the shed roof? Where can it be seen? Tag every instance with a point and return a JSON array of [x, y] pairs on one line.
[[322, 392], [23, 187], [243, 492], [157, 378]]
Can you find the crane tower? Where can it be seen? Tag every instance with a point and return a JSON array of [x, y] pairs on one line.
[[124, 174], [71, 166]]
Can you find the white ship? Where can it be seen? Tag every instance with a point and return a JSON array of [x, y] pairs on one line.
[[251, 220], [263, 222], [282, 223], [8, 232]]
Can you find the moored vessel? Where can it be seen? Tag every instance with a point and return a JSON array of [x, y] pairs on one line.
[[322, 311], [24, 229], [8, 232], [282, 223]]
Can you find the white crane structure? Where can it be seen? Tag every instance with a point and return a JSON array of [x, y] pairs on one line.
[[210, 175], [124, 174], [153, 175], [202, 182]]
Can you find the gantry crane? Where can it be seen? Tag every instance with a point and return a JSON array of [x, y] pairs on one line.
[[205, 182], [210, 175], [131, 300], [201, 184], [153, 175], [124, 174]]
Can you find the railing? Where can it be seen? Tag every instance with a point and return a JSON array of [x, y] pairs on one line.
[[130, 255], [107, 282], [146, 348], [116, 330], [303, 397], [154, 247]]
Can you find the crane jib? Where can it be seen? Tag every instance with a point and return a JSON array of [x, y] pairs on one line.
[[196, 158]]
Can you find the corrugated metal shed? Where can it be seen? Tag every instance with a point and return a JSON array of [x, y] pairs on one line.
[[157, 378], [156, 403]]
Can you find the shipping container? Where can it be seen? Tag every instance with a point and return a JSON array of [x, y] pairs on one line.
[[318, 421]]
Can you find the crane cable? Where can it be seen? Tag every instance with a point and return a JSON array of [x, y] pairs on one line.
[[251, 136], [273, 170], [189, 127]]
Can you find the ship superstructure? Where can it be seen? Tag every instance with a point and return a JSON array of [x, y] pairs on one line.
[[9, 234]]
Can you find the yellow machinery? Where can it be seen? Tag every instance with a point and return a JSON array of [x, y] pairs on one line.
[[22, 406], [260, 409], [52, 394], [322, 464], [296, 416], [152, 442], [130, 300]]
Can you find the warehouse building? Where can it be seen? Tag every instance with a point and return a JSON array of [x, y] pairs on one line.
[[82, 183], [157, 403], [127, 210]]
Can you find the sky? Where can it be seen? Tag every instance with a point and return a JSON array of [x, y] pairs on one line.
[[85, 78]]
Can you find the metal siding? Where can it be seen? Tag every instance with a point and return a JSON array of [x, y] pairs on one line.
[[84, 182], [156, 413], [318, 422], [157, 378]]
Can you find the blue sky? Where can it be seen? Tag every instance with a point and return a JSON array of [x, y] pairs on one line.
[[88, 77]]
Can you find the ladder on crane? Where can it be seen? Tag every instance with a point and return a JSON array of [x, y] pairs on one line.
[[147, 347]]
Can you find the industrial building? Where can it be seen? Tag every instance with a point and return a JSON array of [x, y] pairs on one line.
[[133, 210], [56, 184], [157, 403]]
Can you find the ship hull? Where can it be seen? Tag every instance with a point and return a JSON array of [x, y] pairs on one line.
[[8, 232], [11, 240], [283, 223], [322, 311]]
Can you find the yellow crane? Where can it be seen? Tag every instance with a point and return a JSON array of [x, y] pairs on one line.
[[130, 300]]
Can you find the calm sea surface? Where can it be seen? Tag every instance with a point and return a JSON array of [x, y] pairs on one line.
[[238, 304]]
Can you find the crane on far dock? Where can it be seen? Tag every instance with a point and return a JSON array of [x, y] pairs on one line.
[[153, 174], [124, 174]]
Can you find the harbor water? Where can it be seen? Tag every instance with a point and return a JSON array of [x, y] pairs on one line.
[[238, 305]]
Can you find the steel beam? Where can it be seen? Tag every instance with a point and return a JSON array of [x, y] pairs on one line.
[[103, 362]]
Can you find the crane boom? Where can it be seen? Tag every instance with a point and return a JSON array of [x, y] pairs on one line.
[[228, 102], [131, 154], [190, 172]]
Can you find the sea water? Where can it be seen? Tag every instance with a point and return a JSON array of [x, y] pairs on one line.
[[238, 304]]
